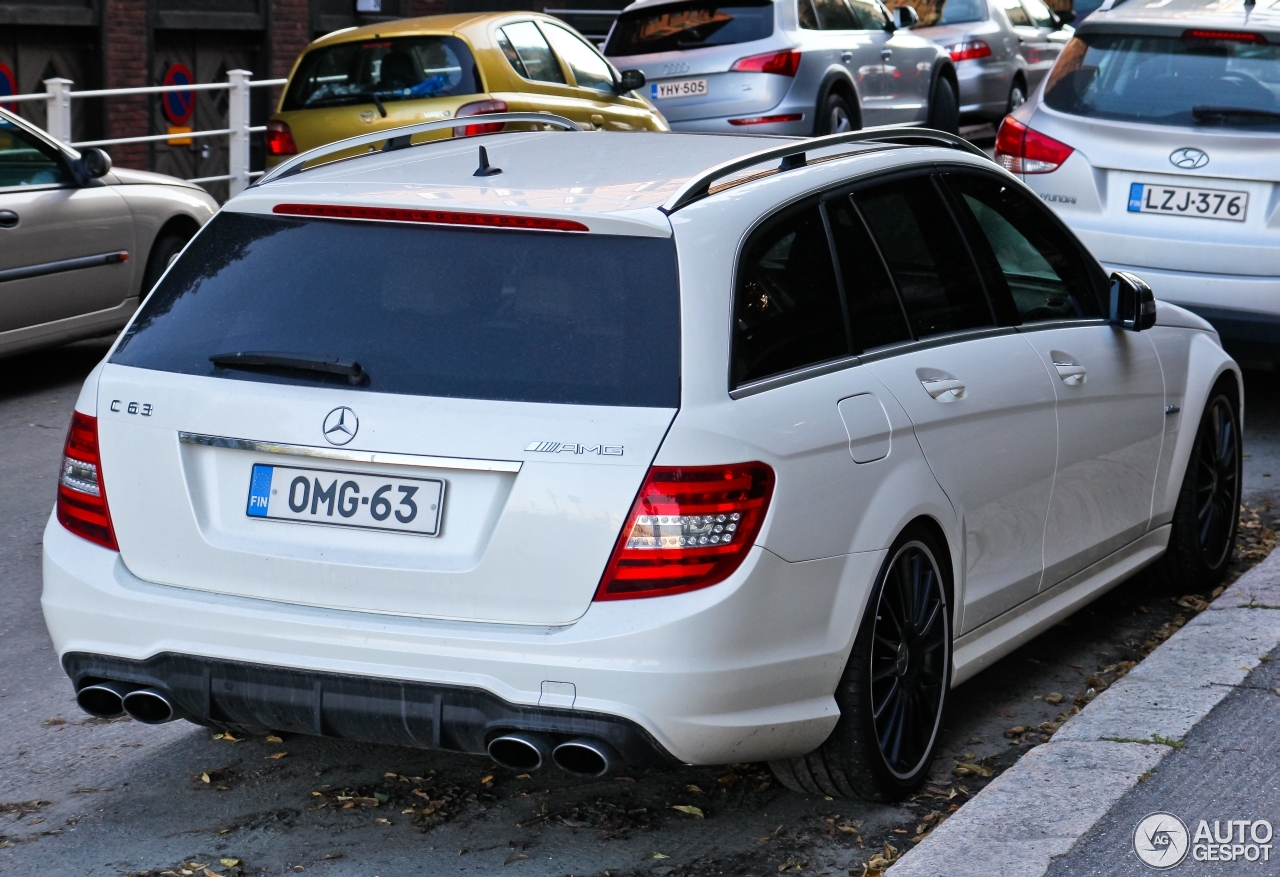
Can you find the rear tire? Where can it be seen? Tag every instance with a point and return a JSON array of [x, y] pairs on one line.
[[165, 249], [944, 107], [1206, 518], [894, 687], [836, 116], [1017, 96]]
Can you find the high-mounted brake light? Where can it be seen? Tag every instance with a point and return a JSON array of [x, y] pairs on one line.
[[480, 108], [1231, 36], [783, 63], [689, 527], [765, 120], [1024, 150], [279, 139], [82, 497], [969, 50], [436, 217]]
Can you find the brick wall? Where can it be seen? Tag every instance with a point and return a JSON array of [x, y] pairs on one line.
[[127, 59]]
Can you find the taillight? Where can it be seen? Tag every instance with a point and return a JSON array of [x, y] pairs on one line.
[[280, 139], [480, 108], [1024, 150], [783, 63], [689, 527], [969, 50], [1229, 36], [82, 498]]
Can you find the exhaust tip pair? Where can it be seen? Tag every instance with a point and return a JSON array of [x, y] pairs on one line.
[[527, 751], [110, 700]]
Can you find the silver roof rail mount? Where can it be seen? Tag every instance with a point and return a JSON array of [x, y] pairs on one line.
[[398, 138], [792, 156]]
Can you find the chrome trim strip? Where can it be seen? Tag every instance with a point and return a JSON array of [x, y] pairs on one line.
[[1065, 323], [420, 461], [792, 377], [63, 265]]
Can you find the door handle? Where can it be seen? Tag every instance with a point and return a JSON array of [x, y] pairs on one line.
[[944, 389], [1073, 375], [846, 57], [8, 219], [886, 54]]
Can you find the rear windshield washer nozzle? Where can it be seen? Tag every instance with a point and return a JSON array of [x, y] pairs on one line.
[[485, 169]]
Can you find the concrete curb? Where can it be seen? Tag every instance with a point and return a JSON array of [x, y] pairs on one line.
[[1039, 808]]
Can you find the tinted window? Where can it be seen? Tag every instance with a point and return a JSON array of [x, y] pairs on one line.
[[528, 52], [1168, 81], [870, 15], [589, 69], [787, 311], [428, 311], [1040, 13], [690, 25], [406, 68], [1017, 15], [959, 11], [875, 315], [835, 15], [26, 160], [1045, 274], [808, 18], [935, 276]]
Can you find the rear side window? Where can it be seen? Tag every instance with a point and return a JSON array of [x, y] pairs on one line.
[[589, 69], [405, 68], [673, 27], [528, 52], [1042, 269], [875, 315], [787, 310], [426, 311], [936, 278]]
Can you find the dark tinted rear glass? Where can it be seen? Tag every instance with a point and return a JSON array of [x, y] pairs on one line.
[[408, 68], [427, 311], [690, 25]]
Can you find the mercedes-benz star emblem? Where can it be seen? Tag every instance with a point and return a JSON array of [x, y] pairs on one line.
[[1188, 158], [340, 426]]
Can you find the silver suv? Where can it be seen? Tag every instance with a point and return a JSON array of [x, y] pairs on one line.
[[794, 67]]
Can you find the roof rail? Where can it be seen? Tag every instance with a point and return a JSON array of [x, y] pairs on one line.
[[792, 156], [398, 138]]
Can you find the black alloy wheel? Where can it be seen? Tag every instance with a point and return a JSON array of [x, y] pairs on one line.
[[894, 688], [1206, 518], [909, 660]]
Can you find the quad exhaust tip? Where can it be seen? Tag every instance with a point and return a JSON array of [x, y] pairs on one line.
[[586, 757], [521, 751], [104, 700], [149, 706]]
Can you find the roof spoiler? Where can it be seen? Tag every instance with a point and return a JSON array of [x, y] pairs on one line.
[[399, 138], [792, 156]]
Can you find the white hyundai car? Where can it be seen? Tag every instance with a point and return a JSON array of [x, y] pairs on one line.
[[599, 449], [1157, 139]]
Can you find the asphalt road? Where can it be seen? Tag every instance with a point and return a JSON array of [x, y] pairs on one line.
[[83, 796]]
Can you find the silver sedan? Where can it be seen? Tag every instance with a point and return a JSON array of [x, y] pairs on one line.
[[986, 49], [81, 243]]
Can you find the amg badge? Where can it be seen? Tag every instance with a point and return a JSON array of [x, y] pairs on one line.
[[571, 448]]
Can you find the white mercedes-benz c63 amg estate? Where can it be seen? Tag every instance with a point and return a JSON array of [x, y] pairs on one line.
[[619, 449]]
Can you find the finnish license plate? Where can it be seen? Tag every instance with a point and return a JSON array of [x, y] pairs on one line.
[[679, 88], [346, 499], [1186, 201]]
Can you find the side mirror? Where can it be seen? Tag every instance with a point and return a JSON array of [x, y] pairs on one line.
[[93, 163], [630, 80], [904, 17], [1133, 304]]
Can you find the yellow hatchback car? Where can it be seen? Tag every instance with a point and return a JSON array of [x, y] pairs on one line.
[[397, 73]]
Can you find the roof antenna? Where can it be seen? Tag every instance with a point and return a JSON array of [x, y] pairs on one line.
[[485, 169]]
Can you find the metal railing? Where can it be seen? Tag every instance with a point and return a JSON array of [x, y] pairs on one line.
[[58, 95]]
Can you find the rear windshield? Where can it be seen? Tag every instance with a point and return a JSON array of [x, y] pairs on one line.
[[1209, 83], [690, 25], [429, 311], [408, 68], [960, 11]]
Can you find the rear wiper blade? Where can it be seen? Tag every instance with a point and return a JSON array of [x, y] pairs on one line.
[[348, 368], [1207, 113], [377, 102]]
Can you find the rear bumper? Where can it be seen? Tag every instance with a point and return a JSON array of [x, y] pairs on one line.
[[802, 127], [741, 671], [1245, 309]]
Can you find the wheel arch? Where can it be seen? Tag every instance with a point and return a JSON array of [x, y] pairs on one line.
[[178, 222], [839, 81]]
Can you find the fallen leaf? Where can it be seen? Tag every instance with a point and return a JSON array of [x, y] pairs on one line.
[[331, 856], [272, 738], [525, 776], [382, 821], [654, 856], [964, 768], [688, 808], [1054, 698], [899, 831], [694, 789], [390, 775], [277, 755], [230, 863], [57, 720], [514, 857], [204, 777], [381, 797]]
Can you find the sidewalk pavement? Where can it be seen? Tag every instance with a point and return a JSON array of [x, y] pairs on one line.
[[1077, 798]]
